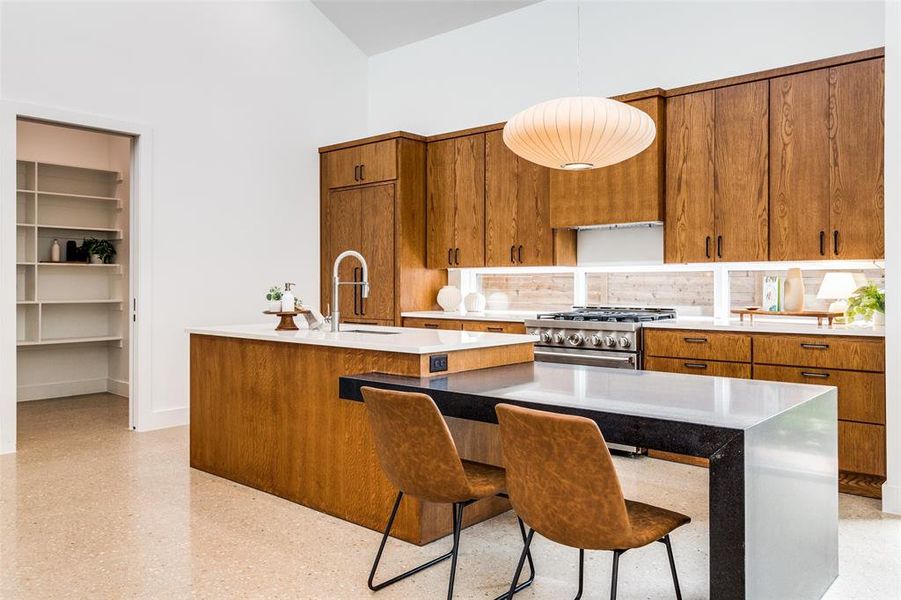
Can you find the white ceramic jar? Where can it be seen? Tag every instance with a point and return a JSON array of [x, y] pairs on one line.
[[449, 298]]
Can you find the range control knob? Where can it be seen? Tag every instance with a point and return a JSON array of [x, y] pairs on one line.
[[610, 341], [559, 338], [546, 337], [597, 340], [575, 339], [625, 342]]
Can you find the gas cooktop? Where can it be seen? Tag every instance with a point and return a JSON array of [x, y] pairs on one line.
[[611, 314]]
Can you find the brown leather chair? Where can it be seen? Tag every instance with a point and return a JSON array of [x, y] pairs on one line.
[[563, 484], [418, 454]]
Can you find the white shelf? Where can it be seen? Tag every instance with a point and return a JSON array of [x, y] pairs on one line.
[[25, 264], [79, 265], [25, 225], [95, 301], [74, 196], [118, 232], [27, 302], [81, 340]]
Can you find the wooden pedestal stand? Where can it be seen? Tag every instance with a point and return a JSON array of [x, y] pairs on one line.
[[287, 319], [820, 316]]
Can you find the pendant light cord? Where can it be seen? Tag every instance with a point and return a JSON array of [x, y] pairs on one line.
[[579, 46]]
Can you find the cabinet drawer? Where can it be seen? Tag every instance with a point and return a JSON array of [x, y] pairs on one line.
[[432, 323], [494, 326], [698, 367], [828, 352], [697, 344], [370, 163], [861, 396], [861, 448]]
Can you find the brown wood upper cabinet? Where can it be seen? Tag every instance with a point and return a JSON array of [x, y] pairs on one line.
[[826, 163], [456, 202], [517, 229], [627, 192], [716, 175], [359, 165]]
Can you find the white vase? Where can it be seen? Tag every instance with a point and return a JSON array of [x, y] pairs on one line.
[[275, 305], [96, 260], [474, 302], [449, 298], [878, 319], [793, 292]]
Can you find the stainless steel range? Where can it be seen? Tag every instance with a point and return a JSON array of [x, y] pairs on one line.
[[601, 336]]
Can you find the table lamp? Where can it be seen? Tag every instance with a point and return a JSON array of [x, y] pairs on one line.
[[838, 287]]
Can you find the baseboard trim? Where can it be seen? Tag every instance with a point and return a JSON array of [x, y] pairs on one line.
[[891, 498], [117, 387], [60, 389]]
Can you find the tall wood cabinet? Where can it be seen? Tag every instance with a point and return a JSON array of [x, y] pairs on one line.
[[517, 207], [826, 187], [375, 204], [627, 192], [456, 202], [716, 175]]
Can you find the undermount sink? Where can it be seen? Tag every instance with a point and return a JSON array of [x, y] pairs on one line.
[[369, 331]]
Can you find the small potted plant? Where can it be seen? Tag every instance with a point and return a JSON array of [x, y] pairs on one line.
[[868, 302], [99, 251], [274, 296]]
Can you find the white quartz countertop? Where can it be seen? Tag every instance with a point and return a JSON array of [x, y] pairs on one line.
[[506, 316], [404, 340], [805, 327]]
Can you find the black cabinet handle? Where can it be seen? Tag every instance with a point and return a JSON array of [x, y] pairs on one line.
[[815, 346], [430, 325], [695, 365], [835, 242], [519, 254], [450, 256], [815, 375], [719, 246], [456, 256], [512, 254], [707, 246], [362, 173], [695, 340], [495, 329], [822, 243]]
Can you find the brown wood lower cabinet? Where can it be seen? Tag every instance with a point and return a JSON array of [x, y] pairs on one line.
[[861, 448], [465, 324], [432, 323], [698, 367]]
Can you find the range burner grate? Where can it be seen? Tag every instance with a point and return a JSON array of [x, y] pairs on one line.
[[612, 314]]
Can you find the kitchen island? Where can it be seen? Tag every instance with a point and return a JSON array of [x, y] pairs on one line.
[[771, 446], [265, 412]]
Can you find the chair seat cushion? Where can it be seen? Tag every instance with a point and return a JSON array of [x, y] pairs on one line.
[[484, 480], [650, 523]]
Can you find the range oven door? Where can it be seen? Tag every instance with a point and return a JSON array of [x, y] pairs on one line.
[[594, 358]]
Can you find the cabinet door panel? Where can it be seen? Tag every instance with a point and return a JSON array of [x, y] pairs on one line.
[[344, 234], [741, 160], [502, 212], [861, 448], [856, 111], [378, 161], [469, 206], [341, 167], [377, 243], [689, 225], [440, 204], [799, 166]]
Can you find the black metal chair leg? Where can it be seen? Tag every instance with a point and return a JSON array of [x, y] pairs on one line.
[[458, 525], [522, 560], [528, 554], [616, 554], [581, 572], [672, 565], [378, 555]]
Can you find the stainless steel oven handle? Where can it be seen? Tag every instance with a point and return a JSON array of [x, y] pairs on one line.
[[621, 362]]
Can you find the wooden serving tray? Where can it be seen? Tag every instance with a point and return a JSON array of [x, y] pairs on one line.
[[819, 315]]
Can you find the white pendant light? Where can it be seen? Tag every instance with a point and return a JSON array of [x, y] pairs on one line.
[[580, 132]]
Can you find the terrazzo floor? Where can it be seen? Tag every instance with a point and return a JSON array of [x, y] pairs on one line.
[[89, 509]]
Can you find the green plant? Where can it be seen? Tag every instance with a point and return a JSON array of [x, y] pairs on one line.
[[866, 300], [274, 293], [102, 248]]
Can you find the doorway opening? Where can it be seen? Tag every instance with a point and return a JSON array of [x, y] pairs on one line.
[[74, 275]]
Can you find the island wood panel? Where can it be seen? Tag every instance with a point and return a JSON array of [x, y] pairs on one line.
[[627, 192], [469, 201], [432, 323], [481, 358], [376, 232], [689, 228], [703, 345], [861, 395], [861, 448], [799, 166], [267, 415], [827, 352], [344, 210], [712, 368], [741, 161], [856, 163]]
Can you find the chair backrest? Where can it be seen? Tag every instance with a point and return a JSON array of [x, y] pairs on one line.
[[561, 478], [414, 445]]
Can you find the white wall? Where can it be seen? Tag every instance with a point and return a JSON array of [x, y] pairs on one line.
[[239, 96], [486, 72]]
